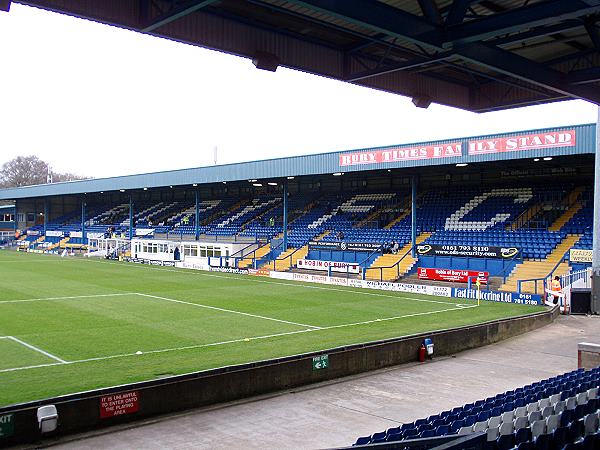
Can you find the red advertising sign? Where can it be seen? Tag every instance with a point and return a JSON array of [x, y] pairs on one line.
[[457, 276], [389, 155], [549, 139], [118, 404]]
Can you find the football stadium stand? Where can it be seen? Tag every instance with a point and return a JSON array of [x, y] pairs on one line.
[[562, 412]]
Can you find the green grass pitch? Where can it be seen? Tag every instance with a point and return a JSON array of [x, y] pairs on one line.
[[69, 324]]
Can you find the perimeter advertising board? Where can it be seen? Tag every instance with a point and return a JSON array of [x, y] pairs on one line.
[[467, 251], [335, 266], [457, 276]]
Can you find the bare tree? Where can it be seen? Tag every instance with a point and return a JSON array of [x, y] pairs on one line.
[[23, 171], [29, 170]]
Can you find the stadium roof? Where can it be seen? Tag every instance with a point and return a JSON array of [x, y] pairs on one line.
[[479, 55], [571, 140]]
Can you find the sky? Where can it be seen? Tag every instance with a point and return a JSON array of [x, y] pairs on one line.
[[101, 101]]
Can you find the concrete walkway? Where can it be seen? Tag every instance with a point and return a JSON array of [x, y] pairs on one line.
[[336, 413]]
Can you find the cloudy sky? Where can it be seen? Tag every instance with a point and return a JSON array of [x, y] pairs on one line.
[[101, 101]]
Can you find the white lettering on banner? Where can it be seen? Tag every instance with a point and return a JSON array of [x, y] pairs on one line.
[[450, 150], [439, 291], [525, 142], [53, 233], [76, 234], [336, 266]]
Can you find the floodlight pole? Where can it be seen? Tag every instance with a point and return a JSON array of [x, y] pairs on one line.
[[285, 215], [197, 221], [130, 217], [413, 213], [595, 305]]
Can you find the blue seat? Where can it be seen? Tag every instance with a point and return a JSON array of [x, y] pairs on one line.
[[522, 435], [364, 440], [442, 430], [427, 433], [456, 425], [542, 442], [505, 442], [560, 437]]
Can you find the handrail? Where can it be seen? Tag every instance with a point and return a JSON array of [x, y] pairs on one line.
[[560, 261], [502, 274], [380, 248], [242, 250], [396, 264], [283, 259]]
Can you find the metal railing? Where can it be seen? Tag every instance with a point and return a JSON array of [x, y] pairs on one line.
[[542, 280], [290, 256], [381, 268]]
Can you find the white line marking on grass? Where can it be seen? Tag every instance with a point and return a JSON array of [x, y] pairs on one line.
[[199, 305], [232, 341], [64, 298], [252, 279], [39, 350]]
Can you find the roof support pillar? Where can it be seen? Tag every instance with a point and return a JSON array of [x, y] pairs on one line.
[[130, 217], [596, 239], [413, 215], [285, 215], [45, 216], [83, 207], [197, 217]]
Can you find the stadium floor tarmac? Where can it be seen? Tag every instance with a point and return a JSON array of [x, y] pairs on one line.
[[335, 413]]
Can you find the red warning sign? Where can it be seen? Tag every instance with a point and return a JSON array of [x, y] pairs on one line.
[[118, 404]]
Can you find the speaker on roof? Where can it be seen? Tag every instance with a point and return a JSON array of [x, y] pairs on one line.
[[5, 5], [421, 101], [266, 61]]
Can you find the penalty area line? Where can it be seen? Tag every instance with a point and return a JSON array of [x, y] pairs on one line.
[[37, 349], [233, 341]]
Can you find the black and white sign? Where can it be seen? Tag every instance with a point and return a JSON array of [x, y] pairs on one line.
[[336, 266], [344, 246], [467, 251]]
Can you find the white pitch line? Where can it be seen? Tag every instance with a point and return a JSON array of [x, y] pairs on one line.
[[255, 280], [232, 311], [39, 350], [24, 300], [233, 341]]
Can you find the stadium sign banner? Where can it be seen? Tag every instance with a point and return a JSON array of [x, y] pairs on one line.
[[439, 291], [7, 425], [344, 246], [76, 234], [119, 404], [152, 262], [192, 265], [54, 233], [495, 296], [457, 276], [467, 251], [579, 255], [336, 266], [536, 141], [229, 270], [390, 155]]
